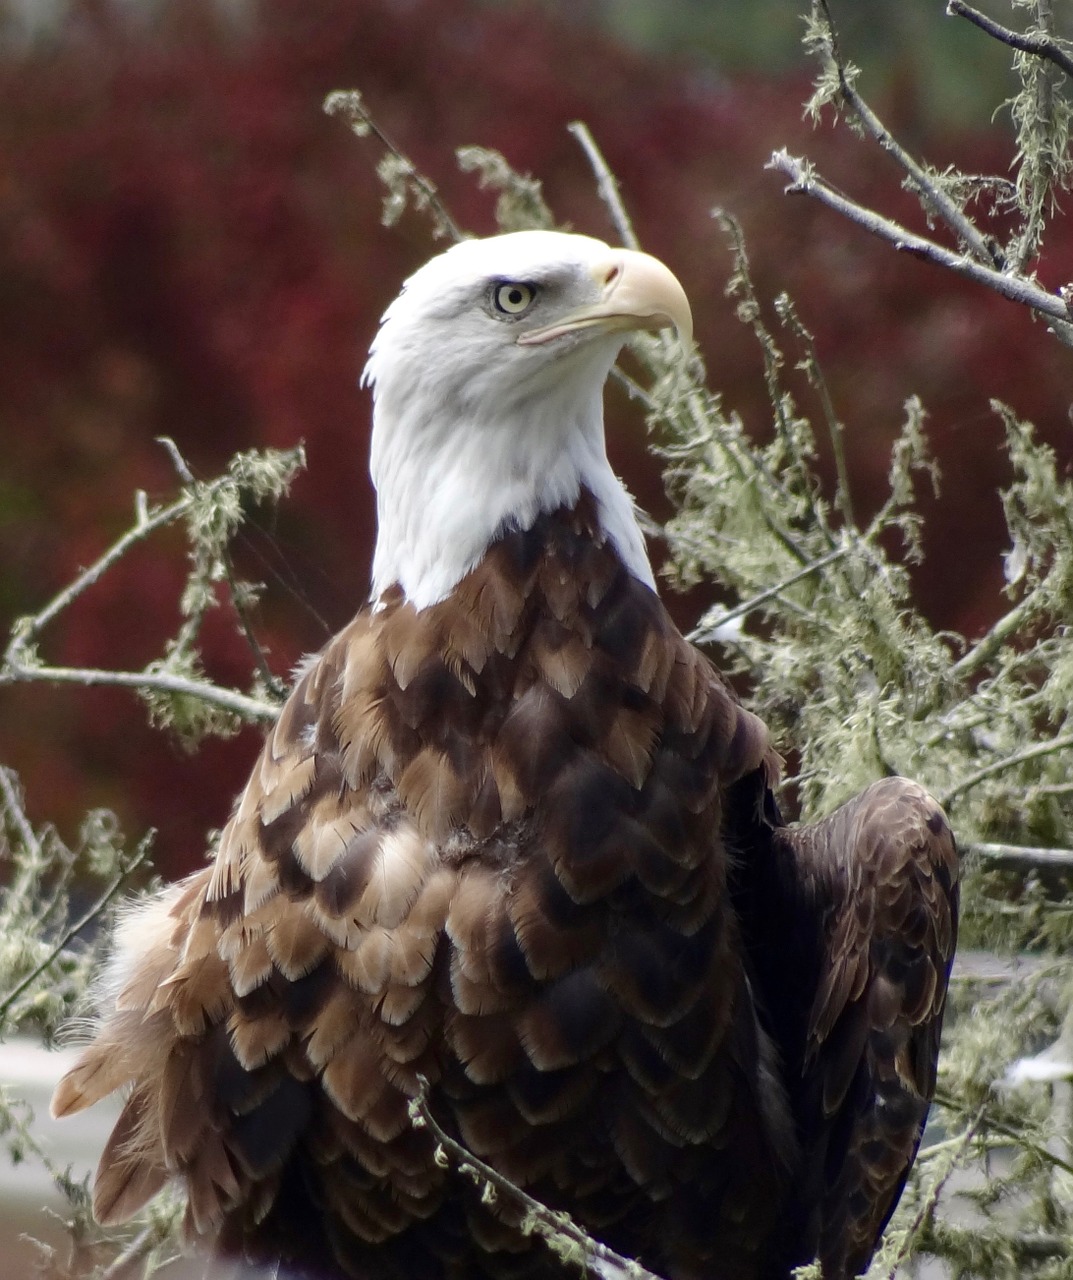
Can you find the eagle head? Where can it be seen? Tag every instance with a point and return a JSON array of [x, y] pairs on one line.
[[487, 376]]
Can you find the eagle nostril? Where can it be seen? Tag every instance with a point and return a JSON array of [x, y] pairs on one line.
[[612, 274]]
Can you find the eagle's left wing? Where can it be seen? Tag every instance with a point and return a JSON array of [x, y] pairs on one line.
[[851, 924]]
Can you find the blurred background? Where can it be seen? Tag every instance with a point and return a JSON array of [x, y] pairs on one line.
[[190, 247]]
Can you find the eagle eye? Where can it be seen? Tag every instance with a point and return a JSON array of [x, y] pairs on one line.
[[513, 297]]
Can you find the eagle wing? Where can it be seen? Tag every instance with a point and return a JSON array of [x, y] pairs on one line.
[[852, 924]]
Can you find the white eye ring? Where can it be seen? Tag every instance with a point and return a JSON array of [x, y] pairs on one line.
[[513, 297]]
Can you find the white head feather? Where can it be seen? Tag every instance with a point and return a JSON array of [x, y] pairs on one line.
[[483, 417]]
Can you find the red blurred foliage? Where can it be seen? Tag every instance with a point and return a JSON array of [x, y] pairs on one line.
[[188, 247]]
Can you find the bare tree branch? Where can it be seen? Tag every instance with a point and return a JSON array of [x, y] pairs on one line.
[[21, 663], [240, 704], [1017, 857], [1048, 47], [803, 179], [933, 196]]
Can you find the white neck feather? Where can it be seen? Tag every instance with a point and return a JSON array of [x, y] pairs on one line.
[[451, 477]]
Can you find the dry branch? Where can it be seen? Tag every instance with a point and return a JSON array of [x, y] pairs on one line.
[[804, 180], [1040, 46]]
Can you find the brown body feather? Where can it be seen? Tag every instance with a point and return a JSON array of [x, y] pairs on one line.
[[518, 843]]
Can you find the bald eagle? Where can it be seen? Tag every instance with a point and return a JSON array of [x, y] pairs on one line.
[[512, 834]]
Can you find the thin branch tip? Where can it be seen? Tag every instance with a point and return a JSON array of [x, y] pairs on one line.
[[607, 185], [182, 468]]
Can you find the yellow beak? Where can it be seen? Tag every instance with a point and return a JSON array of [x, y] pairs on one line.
[[638, 292]]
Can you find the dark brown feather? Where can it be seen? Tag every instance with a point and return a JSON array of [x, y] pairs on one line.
[[499, 843], [859, 912]]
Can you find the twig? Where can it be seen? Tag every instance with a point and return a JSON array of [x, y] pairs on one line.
[[271, 681], [932, 195], [835, 430], [1048, 748], [1047, 47], [28, 628], [29, 869], [606, 184], [984, 262], [702, 635], [950, 724], [164, 682], [548, 1224], [1016, 288], [182, 467], [20, 664], [1015, 857], [699, 407], [750, 314], [636, 392], [140, 855], [654, 409], [1016, 1134], [931, 1199], [143, 1243], [992, 641], [348, 103], [608, 189], [1033, 112], [13, 807]]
